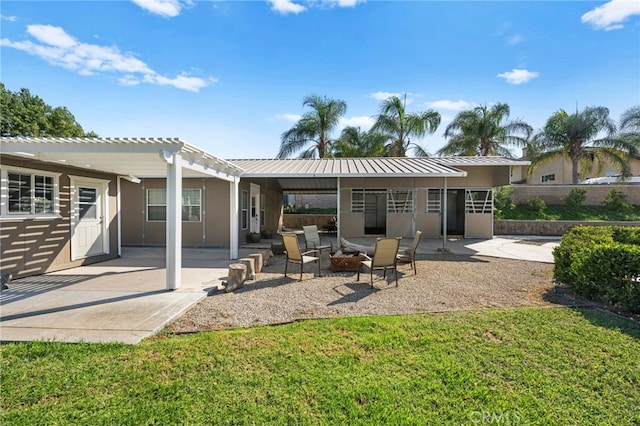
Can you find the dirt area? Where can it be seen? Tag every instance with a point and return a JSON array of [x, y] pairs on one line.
[[445, 282]]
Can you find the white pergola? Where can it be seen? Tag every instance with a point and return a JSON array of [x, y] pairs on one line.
[[135, 158]]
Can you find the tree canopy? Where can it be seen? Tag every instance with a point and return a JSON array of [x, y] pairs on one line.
[[355, 143], [589, 137], [399, 126], [315, 128], [24, 114], [485, 131]]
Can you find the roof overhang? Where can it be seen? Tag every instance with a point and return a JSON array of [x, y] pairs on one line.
[[128, 157]]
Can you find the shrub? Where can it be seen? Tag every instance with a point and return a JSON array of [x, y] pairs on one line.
[[503, 201], [536, 205], [601, 263], [576, 197], [616, 200]]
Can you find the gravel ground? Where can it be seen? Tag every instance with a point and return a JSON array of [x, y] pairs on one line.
[[445, 282]]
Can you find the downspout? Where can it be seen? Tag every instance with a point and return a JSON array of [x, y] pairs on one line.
[[234, 228]]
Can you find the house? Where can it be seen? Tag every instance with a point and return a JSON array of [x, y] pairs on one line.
[[558, 172], [66, 202]]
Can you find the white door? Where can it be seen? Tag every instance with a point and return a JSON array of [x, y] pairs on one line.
[[88, 220], [254, 206]]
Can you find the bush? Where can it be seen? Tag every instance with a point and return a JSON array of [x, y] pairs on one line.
[[601, 263], [576, 197], [503, 201], [616, 200], [536, 205]]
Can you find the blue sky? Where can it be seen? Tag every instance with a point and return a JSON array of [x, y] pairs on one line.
[[230, 76]]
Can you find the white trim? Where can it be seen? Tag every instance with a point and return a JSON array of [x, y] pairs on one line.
[[103, 184], [174, 223], [4, 193]]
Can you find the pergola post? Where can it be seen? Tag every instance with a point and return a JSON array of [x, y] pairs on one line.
[[338, 210], [234, 228], [174, 222]]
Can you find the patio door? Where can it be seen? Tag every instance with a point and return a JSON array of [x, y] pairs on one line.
[[89, 236], [254, 208], [375, 212]]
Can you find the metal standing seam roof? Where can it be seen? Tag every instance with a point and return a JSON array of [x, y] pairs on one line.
[[346, 167], [139, 157], [482, 161]]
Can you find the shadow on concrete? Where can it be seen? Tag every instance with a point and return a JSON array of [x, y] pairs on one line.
[[24, 288], [79, 305]]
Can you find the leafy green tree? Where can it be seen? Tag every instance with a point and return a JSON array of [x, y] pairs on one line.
[[24, 114], [314, 127], [589, 138], [398, 126], [484, 131], [355, 143]]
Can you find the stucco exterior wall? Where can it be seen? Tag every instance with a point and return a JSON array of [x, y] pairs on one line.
[[211, 231], [40, 245]]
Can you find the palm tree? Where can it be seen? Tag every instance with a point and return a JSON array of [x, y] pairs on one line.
[[355, 143], [484, 131], [399, 126], [315, 126], [588, 138]]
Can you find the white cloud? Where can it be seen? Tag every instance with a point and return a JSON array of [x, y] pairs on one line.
[[8, 18], [288, 117], [381, 96], [60, 49], [166, 8], [363, 122], [517, 76], [286, 6], [610, 16], [514, 39], [449, 105]]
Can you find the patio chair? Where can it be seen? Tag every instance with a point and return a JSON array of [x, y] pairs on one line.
[[313, 241], [294, 255], [408, 254], [384, 257]]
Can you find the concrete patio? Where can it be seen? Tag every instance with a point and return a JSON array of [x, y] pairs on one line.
[[125, 300]]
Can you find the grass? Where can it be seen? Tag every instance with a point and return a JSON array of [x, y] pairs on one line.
[[561, 212], [527, 366]]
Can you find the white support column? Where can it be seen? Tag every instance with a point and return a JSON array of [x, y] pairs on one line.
[[338, 212], [234, 221], [174, 222], [444, 211], [119, 215]]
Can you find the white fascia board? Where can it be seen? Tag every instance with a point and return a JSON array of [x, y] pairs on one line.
[[459, 173], [207, 170], [100, 146]]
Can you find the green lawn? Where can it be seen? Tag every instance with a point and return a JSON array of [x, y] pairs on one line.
[[526, 366]]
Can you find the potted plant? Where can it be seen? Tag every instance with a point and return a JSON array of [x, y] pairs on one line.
[[267, 234], [254, 237]]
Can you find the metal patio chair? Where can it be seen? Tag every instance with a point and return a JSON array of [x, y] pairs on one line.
[[384, 257], [408, 254], [313, 240], [294, 255]]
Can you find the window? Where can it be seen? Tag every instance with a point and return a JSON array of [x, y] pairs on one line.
[[548, 178], [357, 201], [157, 205], [262, 204], [30, 193], [399, 201], [434, 203], [244, 209], [479, 201]]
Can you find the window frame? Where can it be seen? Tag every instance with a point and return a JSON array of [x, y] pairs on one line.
[[244, 209], [33, 174], [182, 205]]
